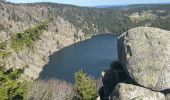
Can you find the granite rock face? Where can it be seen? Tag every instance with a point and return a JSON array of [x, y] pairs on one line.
[[144, 53], [131, 92]]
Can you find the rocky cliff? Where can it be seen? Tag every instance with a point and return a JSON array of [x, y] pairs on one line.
[[48, 43], [142, 72], [70, 24], [18, 18]]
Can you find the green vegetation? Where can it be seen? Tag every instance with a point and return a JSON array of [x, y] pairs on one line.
[[4, 54], [3, 50], [91, 20], [3, 45], [162, 23], [101, 20], [116, 20], [85, 87], [26, 38], [11, 87], [161, 12]]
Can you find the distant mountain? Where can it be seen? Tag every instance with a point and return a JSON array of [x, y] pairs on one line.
[[127, 5], [108, 6]]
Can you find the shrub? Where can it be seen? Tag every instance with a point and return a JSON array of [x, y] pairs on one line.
[[85, 87], [4, 54], [26, 39], [3, 45], [11, 87], [3, 50], [50, 90]]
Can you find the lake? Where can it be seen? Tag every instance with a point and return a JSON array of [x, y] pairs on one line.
[[92, 56]]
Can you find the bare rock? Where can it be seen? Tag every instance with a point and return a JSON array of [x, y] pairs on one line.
[[131, 92], [144, 52]]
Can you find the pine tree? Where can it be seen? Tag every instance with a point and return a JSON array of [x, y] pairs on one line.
[[85, 87], [11, 87]]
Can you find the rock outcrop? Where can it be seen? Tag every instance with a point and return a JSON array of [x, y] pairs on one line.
[[144, 52], [142, 72], [131, 92]]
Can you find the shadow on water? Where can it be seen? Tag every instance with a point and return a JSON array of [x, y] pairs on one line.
[[92, 56]]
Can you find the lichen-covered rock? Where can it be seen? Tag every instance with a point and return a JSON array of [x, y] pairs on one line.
[[144, 52], [131, 92]]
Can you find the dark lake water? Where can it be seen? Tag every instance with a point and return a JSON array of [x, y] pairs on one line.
[[92, 56]]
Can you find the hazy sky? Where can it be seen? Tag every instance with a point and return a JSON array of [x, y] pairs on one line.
[[94, 2]]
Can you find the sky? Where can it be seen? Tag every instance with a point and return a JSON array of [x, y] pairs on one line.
[[94, 2]]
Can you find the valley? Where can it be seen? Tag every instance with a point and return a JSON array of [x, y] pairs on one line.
[[38, 38]]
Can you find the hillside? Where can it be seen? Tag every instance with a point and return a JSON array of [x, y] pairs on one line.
[[69, 24], [30, 33], [88, 20], [154, 15]]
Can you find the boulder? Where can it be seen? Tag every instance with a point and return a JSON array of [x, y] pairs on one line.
[[144, 53], [131, 92]]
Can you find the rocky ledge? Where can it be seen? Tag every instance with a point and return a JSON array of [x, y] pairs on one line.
[[143, 66]]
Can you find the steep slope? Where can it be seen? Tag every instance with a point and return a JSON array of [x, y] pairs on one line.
[[18, 18], [69, 24], [37, 56]]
